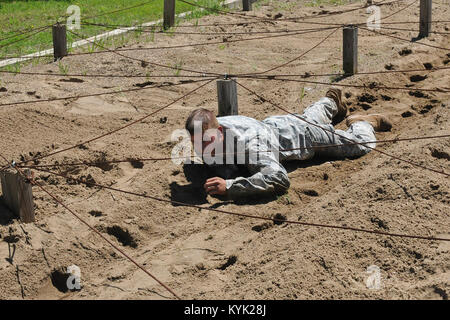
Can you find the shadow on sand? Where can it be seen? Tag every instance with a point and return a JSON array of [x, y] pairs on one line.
[[197, 174], [6, 216]]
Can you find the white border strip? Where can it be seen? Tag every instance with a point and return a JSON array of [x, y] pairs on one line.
[[3, 63]]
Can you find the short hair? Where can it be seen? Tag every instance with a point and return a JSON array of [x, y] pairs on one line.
[[206, 117]]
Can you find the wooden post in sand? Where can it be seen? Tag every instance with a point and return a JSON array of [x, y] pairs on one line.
[[246, 5], [350, 50], [17, 195], [227, 97], [169, 14], [425, 18], [59, 41]]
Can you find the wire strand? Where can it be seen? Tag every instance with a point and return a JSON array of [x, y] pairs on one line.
[[133, 160], [341, 136], [123, 127], [162, 85], [173, 202], [95, 230]]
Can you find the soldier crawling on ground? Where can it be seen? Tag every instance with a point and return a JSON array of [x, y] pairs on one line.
[[227, 143]]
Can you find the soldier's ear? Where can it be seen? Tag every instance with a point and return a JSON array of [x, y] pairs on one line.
[[220, 128]]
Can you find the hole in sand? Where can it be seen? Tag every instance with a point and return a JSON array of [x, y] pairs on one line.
[[122, 235], [137, 164], [311, 193], [439, 154], [367, 97], [407, 114], [261, 227], [417, 78], [72, 80], [279, 219], [231, 260], [95, 213], [405, 52], [11, 238], [365, 106], [418, 94], [59, 279]]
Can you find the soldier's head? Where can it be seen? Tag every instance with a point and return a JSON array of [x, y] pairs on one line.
[[204, 129]]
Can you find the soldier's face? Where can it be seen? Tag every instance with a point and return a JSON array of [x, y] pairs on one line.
[[202, 141]]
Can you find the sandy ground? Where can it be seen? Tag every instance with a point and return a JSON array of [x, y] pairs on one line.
[[205, 255]]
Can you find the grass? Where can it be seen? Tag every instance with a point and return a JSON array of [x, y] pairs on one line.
[[302, 96], [63, 69], [19, 15]]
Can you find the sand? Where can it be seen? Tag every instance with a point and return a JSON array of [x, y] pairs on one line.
[[208, 255]]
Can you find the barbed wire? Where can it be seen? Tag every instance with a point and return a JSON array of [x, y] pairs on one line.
[[209, 80], [298, 57], [161, 30], [292, 19], [155, 86], [121, 128], [403, 39], [277, 220], [339, 135], [158, 48], [246, 23], [286, 33], [310, 75], [257, 76], [73, 75], [25, 38], [414, 30], [223, 41], [304, 75], [19, 32], [370, 86], [437, 47], [402, 9], [115, 51], [198, 25], [415, 22], [211, 73], [26, 31], [23, 33], [33, 182], [198, 44], [135, 160]]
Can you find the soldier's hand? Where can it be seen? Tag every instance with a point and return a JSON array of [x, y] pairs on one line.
[[216, 185]]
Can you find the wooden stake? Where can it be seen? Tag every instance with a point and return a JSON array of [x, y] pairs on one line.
[[425, 18], [59, 41], [247, 5], [227, 97], [169, 14], [18, 195], [350, 50]]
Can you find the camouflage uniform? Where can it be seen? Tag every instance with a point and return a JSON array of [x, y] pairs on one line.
[[267, 175]]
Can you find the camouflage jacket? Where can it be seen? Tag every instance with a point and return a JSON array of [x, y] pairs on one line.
[[260, 146]]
